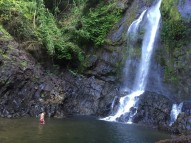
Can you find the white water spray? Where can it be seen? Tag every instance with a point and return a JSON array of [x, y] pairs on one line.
[[132, 34], [176, 109], [113, 102], [152, 16], [133, 28]]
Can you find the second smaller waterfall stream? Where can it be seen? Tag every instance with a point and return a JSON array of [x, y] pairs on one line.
[[176, 109]]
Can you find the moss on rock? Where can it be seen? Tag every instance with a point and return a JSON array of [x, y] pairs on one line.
[[4, 35], [175, 34]]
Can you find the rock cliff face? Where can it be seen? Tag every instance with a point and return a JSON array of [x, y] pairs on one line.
[[24, 87], [88, 96], [27, 89], [184, 58]]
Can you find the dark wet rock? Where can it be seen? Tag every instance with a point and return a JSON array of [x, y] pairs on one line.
[[1, 60], [106, 65], [153, 110], [184, 8], [181, 139], [124, 4], [24, 88], [92, 59], [103, 68], [118, 34], [183, 123], [88, 96], [186, 108]]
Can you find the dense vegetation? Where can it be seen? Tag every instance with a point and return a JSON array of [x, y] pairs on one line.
[[175, 36], [63, 28]]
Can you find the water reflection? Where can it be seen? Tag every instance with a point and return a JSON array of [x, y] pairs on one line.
[[40, 129], [126, 133], [75, 130]]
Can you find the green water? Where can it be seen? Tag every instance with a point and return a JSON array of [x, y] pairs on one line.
[[75, 130]]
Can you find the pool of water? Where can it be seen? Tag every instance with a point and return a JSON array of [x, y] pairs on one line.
[[75, 130]]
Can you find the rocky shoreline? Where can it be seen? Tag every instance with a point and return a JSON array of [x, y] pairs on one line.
[[181, 139]]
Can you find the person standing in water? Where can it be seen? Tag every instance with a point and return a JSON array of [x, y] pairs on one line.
[[42, 121]]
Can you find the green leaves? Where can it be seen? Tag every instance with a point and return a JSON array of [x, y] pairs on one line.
[[84, 23], [29, 19], [99, 21], [174, 36]]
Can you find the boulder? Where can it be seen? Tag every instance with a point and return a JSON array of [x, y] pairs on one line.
[[153, 110]]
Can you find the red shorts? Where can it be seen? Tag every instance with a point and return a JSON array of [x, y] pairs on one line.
[[42, 122]]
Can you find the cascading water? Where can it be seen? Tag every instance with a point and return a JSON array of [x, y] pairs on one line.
[[133, 28], [131, 38], [176, 109], [152, 17], [113, 103]]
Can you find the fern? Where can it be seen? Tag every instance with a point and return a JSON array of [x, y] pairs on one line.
[[29, 19]]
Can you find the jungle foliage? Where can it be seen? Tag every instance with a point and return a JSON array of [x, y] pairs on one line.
[[64, 28], [175, 36]]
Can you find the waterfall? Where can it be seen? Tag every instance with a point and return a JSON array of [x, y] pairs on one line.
[[113, 103], [153, 17], [176, 109], [133, 28], [127, 105], [131, 38]]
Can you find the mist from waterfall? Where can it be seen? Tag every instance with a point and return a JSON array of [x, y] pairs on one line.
[[151, 18]]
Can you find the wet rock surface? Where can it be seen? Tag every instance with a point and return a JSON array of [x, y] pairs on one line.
[[182, 139], [184, 8], [183, 123], [26, 89], [88, 96], [153, 110]]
